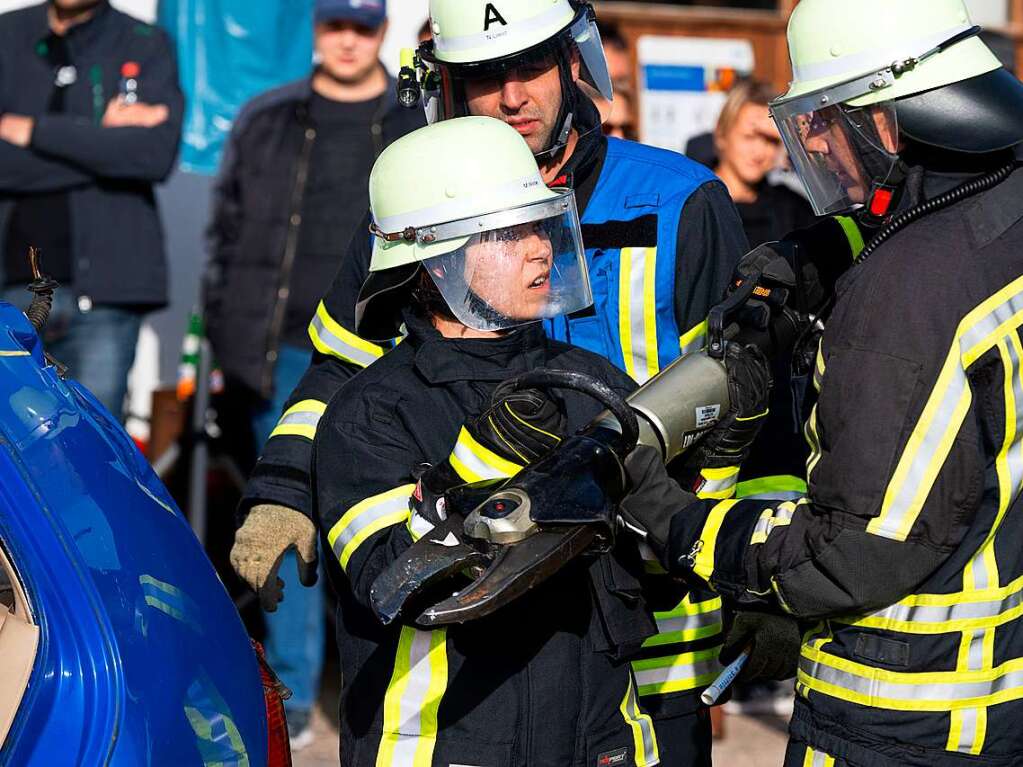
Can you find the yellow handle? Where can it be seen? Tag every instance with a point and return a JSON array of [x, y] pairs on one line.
[[408, 58]]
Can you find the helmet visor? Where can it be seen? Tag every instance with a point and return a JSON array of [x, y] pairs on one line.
[[840, 153], [527, 267]]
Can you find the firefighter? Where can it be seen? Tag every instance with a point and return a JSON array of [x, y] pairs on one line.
[[662, 238], [904, 553], [471, 252]]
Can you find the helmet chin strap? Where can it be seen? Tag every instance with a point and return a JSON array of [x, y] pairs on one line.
[[566, 114]]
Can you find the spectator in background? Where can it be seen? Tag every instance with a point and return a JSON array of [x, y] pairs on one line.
[[622, 122], [748, 148], [619, 59], [291, 193], [81, 147]]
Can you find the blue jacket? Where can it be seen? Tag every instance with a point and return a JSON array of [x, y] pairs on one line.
[[647, 303]]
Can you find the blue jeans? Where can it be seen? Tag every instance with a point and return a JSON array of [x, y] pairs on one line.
[[98, 346], [294, 634]]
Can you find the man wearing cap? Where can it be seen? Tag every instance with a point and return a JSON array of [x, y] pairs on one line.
[[291, 192]]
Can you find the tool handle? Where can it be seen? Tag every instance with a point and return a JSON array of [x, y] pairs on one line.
[[725, 678]]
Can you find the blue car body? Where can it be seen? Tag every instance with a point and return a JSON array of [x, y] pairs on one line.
[[142, 658]]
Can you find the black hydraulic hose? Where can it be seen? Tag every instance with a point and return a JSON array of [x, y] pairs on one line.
[[904, 219], [580, 382]]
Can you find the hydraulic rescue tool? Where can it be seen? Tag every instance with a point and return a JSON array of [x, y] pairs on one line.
[[502, 538]]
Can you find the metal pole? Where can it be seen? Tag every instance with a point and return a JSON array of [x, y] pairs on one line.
[[200, 445]]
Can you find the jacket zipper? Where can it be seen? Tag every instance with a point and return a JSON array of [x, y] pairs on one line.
[[288, 262]]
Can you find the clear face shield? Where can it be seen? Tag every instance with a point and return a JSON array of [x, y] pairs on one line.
[[453, 90], [512, 268], [841, 152]]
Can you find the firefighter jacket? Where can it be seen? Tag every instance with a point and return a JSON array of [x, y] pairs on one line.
[[542, 681], [662, 240], [906, 546]]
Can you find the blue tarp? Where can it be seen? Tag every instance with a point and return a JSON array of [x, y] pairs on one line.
[[229, 51]]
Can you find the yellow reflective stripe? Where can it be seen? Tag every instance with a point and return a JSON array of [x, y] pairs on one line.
[[774, 517], [693, 339], [367, 518], [413, 698], [948, 613], [703, 565], [676, 673], [16, 353], [331, 338], [779, 487], [528, 425], [718, 484], [688, 622], [810, 432], [925, 453], [852, 234], [300, 420], [909, 691], [815, 758], [980, 330], [637, 312], [643, 736], [474, 462], [820, 368]]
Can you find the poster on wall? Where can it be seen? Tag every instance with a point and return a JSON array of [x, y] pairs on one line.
[[683, 82]]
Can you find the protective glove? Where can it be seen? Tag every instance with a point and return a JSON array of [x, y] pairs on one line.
[[728, 442], [521, 426], [773, 642], [261, 543], [653, 500]]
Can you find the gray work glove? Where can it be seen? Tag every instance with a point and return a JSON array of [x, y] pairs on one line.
[[261, 543], [773, 642], [653, 499]]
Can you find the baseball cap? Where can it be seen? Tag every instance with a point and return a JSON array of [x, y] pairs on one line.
[[370, 13]]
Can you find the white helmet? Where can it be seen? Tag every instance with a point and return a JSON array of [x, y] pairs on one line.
[[481, 40], [871, 73], [463, 201]]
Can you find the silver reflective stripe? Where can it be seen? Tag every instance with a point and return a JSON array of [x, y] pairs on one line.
[[820, 759], [412, 700], [933, 696], [646, 746], [419, 525], [637, 304], [683, 672], [924, 455], [987, 325], [341, 348], [970, 729], [301, 419], [772, 518], [962, 611], [682, 623], [367, 517], [475, 464], [975, 653]]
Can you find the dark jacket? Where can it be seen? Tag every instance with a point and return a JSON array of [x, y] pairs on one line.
[[117, 241], [254, 232], [540, 682], [907, 544]]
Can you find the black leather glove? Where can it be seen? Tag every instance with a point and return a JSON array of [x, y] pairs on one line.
[[521, 426], [749, 391], [773, 642], [653, 500]]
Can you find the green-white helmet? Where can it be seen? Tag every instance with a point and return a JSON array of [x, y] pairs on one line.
[[464, 201], [870, 73], [484, 40]]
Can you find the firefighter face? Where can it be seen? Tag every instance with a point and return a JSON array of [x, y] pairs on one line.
[[510, 270], [348, 52], [527, 97]]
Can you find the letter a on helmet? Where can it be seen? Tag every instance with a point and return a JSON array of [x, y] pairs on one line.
[[493, 16], [474, 40]]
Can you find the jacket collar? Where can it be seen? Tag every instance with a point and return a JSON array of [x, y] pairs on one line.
[[305, 92], [443, 360], [80, 35]]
